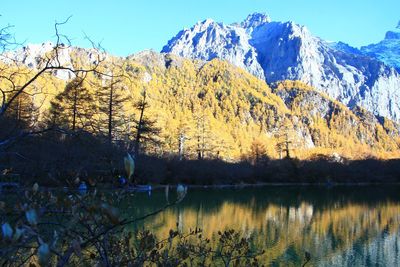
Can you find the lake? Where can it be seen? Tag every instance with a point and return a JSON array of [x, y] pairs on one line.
[[338, 226]]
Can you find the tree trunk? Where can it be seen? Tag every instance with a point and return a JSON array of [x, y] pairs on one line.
[[74, 109], [181, 145], [139, 127], [110, 113]]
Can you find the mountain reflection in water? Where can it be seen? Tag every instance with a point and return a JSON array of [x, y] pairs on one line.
[[340, 226]]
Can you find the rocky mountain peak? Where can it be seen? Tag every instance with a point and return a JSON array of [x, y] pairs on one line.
[[277, 51], [387, 50], [254, 20], [205, 24], [394, 34]]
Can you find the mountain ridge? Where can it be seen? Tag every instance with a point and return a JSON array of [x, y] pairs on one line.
[[235, 109], [387, 50], [276, 51]]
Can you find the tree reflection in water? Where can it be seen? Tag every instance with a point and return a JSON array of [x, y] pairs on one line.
[[341, 226]]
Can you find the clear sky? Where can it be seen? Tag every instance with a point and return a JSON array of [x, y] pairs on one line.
[[126, 27]]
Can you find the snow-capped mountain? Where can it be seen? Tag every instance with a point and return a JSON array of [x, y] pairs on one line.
[[208, 39], [32, 56], [284, 50]]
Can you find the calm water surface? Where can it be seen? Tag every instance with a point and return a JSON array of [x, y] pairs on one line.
[[339, 226]]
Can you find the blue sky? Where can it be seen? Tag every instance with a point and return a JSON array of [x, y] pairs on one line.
[[126, 27]]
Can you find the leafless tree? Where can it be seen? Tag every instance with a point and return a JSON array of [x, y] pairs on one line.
[[11, 69]]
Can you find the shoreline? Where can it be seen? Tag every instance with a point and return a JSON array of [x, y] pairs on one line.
[[155, 187]]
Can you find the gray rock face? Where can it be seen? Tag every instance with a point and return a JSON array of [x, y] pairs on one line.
[[278, 51]]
